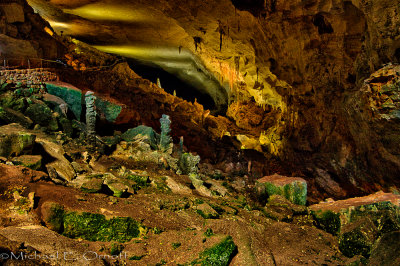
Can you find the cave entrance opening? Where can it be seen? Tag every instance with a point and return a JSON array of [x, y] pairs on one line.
[[171, 83]]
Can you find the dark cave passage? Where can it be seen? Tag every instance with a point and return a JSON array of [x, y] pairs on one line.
[[171, 83]]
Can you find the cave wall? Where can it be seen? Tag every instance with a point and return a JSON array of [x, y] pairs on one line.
[[296, 67], [25, 35]]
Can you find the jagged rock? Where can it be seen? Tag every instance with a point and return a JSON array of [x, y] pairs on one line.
[[386, 250], [48, 242], [42, 115], [60, 164], [199, 185], [15, 140], [11, 116], [382, 208], [176, 187], [33, 162], [292, 188], [217, 187], [80, 168]]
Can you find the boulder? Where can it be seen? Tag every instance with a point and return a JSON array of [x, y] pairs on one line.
[[281, 209], [177, 188], [119, 189], [60, 164], [382, 208], [150, 136], [15, 140], [292, 188], [33, 162]]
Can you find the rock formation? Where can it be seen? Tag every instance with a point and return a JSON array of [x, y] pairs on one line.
[[292, 106]]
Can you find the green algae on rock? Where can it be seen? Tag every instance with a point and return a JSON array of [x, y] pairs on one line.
[[383, 208], [72, 96], [110, 110], [358, 238], [220, 254], [292, 188], [92, 226]]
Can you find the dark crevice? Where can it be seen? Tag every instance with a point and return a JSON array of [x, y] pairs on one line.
[[397, 55], [323, 25], [171, 83]]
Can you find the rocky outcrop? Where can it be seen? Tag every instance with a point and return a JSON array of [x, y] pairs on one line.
[[25, 35]]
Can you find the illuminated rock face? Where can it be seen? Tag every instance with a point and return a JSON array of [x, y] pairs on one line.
[[300, 62]]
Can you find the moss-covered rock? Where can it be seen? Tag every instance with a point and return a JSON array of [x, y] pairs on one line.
[[119, 189], [91, 226], [140, 181], [382, 208], [41, 114], [292, 188], [221, 254], [358, 238], [94, 185], [33, 162], [281, 209], [188, 163], [14, 141], [66, 126]]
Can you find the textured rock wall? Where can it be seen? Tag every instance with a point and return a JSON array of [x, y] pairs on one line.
[[296, 67], [24, 34]]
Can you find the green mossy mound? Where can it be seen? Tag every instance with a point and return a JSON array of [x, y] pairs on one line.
[[93, 226], [220, 254]]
